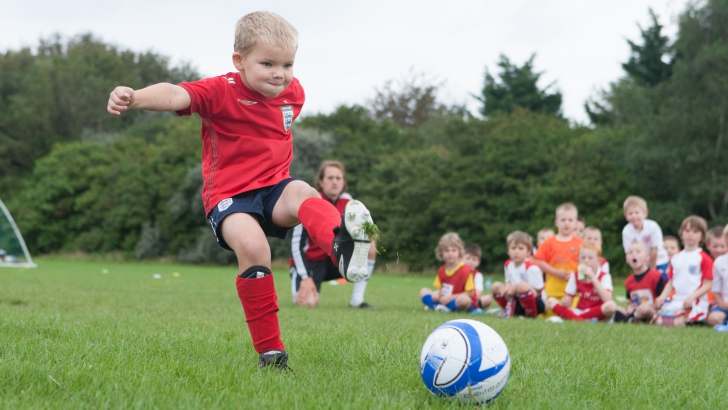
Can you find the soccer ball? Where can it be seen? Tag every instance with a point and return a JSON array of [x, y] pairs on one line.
[[465, 359]]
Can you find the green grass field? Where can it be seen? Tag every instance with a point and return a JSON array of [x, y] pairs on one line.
[[74, 337]]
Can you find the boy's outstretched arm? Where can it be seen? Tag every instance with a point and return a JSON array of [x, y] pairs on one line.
[[157, 97]]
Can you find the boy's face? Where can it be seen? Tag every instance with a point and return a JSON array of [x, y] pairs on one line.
[[267, 69], [636, 216], [542, 236], [672, 247], [716, 247], [637, 258], [691, 237], [579, 229], [471, 260], [593, 236], [566, 222], [518, 252], [451, 255], [333, 182], [589, 258]]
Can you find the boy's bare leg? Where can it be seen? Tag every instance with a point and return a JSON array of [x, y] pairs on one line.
[[254, 282]]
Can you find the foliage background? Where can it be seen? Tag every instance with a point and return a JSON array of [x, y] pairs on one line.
[[78, 179]]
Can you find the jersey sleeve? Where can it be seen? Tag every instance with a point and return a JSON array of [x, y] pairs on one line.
[[206, 96], [625, 238], [655, 236], [478, 281], [571, 286], [469, 285], [706, 266], [544, 252], [605, 267], [437, 284], [534, 276], [606, 282]]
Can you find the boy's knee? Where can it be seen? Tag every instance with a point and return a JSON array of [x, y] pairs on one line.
[[608, 308], [551, 303], [463, 302], [497, 287], [485, 301], [523, 287], [716, 318]]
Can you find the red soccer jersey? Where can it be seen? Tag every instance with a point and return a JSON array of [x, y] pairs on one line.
[[246, 137], [588, 298], [645, 290], [459, 281]]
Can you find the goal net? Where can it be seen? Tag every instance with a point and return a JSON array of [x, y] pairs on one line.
[[13, 252]]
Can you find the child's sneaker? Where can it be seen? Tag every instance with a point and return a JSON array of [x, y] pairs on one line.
[[353, 239], [442, 309]]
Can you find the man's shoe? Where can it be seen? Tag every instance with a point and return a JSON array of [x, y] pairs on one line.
[[364, 305], [353, 240], [275, 358]]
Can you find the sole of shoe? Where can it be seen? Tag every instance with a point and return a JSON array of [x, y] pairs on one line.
[[355, 214]]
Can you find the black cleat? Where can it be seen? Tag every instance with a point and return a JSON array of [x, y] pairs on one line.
[[351, 244], [364, 305], [275, 358]]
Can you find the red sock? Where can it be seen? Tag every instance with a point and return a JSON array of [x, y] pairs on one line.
[[566, 313], [528, 302], [260, 304], [593, 313], [500, 299], [319, 218]]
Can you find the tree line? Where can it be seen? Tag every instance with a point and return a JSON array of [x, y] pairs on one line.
[[77, 179]]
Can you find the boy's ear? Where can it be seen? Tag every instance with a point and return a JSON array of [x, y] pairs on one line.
[[238, 61]]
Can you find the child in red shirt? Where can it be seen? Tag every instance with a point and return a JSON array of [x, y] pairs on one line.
[[594, 288], [247, 150], [454, 280], [643, 287]]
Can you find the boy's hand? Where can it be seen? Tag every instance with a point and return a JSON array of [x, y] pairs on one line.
[[120, 100], [659, 302], [688, 303], [563, 274], [306, 293]]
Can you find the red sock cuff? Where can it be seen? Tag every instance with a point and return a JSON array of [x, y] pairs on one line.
[[565, 313]]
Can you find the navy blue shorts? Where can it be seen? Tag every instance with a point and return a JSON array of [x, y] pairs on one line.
[[258, 203]]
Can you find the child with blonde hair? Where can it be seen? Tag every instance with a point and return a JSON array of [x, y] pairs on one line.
[[454, 281], [592, 285], [558, 255], [647, 231]]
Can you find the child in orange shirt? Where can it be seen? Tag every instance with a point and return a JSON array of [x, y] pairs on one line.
[[558, 255], [454, 280]]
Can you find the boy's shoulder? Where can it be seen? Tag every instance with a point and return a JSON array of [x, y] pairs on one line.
[[721, 264]]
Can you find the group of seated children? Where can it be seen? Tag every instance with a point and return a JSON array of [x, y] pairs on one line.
[[567, 276]]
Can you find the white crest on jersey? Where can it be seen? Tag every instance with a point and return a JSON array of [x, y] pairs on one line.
[[287, 111]]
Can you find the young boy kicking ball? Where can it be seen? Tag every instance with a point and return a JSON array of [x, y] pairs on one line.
[[691, 277], [247, 149], [643, 287], [454, 280], [593, 287], [521, 294]]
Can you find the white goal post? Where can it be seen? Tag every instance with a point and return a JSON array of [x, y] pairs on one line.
[[13, 252]]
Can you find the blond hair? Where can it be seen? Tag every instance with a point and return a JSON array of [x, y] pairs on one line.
[[694, 222], [449, 239], [592, 247], [322, 172], [640, 244], [634, 200], [566, 207], [520, 238], [266, 27], [595, 229], [716, 232]]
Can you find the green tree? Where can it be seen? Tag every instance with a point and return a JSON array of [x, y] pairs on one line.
[[518, 87], [647, 65]]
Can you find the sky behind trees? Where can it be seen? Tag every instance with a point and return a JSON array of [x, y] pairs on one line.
[[348, 49]]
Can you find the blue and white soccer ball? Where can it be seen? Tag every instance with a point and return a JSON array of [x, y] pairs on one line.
[[465, 359]]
